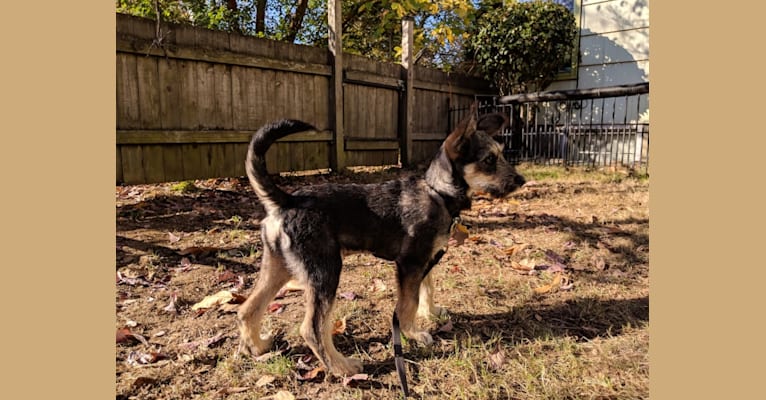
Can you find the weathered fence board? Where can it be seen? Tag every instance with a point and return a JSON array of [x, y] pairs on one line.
[[153, 163], [172, 159], [187, 110], [147, 76], [128, 114], [132, 164], [188, 107], [118, 167], [170, 94]]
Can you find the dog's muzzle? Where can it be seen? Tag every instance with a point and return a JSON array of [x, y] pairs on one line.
[[519, 181], [511, 185]]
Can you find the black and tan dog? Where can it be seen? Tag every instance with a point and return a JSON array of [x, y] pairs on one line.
[[407, 221]]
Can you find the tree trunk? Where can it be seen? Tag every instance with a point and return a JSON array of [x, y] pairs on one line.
[[260, 16], [296, 21], [232, 5]]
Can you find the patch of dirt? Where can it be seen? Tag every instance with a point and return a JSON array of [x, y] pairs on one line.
[[547, 298]]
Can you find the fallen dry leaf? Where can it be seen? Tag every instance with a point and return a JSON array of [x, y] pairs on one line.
[[240, 284], [446, 327], [226, 276], [519, 267], [566, 283], [527, 263], [552, 268], [557, 278], [204, 342], [307, 358], [171, 307], [142, 381], [131, 281], [556, 260], [348, 295], [290, 286], [599, 263], [339, 327], [311, 375], [138, 358], [276, 308], [378, 285], [265, 380], [496, 359], [355, 378], [222, 297], [477, 239], [280, 395], [510, 250], [124, 335], [268, 356], [173, 238]]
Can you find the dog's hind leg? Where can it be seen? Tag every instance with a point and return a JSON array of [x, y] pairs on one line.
[[273, 275], [319, 254], [317, 331]]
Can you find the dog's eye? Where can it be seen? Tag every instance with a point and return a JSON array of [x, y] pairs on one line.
[[490, 159]]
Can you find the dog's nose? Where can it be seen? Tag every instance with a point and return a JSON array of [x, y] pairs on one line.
[[519, 180]]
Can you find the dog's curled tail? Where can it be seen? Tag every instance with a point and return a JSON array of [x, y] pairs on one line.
[[272, 197]]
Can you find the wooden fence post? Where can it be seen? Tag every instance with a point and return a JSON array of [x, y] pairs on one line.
[[335, 37], [408, 75]]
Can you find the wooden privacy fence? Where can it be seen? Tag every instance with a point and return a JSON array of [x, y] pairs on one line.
[[187, 109]]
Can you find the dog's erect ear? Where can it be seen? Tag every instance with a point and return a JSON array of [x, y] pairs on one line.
[[493, 124], [456, 140]]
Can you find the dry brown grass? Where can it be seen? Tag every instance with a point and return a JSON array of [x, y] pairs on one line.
[[506, 341]]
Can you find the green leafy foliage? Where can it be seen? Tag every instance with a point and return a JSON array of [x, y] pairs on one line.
[[208, 14], [522, 46], [371, 28]]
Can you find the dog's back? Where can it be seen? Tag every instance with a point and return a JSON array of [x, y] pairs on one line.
[[374, 217]]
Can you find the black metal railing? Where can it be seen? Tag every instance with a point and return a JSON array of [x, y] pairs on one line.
[[588, 127]]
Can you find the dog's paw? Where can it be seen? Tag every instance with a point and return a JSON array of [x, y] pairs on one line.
[[434, 312], [346, 367], [422, 337], [257, 347]]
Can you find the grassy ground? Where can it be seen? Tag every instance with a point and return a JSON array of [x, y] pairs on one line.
[[548, 298]]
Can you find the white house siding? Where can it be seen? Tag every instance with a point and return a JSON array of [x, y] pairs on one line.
[[614, 43], [614, 50]]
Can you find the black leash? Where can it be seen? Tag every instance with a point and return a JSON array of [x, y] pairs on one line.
[[399, 355], [396, 334]]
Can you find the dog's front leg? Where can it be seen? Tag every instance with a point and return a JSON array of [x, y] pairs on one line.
[[410, 278], [426, 307]]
